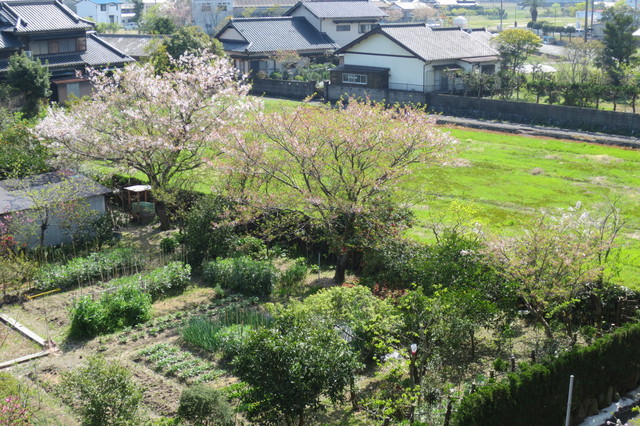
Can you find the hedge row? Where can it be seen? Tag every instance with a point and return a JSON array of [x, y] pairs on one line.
[[96, 266], [538, 394], [174, 277]]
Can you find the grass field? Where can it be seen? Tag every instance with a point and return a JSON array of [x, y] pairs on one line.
[[506, 179]]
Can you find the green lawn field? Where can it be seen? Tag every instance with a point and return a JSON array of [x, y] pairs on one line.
[[504, 179]]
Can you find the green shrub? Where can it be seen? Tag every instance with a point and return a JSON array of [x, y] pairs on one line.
[[96, 266], [250, 246], [539, 391], [104, 393], [87, 317], [242, 274], [295, 274], [206, 236], [124, 307], [203, 405], [172, 278], [168, 245]]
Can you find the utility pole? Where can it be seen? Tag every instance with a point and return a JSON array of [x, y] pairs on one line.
[[586, 19], [501, 14]]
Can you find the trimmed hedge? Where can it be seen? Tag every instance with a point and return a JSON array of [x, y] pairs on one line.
[[97, 266], [174, 277], [538, 394], [242, 274]]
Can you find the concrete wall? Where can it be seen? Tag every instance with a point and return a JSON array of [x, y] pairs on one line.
[[555, 115], [338, 91], [283, 88]]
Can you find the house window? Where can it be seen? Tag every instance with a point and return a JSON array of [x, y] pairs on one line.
[[81, 44], [103, 8], [206, 7], [354, 78], [222, 8], [488, 69], [39, 47], [67, 45], [343, 27], [54, 46], [364, 28]]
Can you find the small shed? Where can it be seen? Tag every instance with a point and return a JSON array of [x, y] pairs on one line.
[[138, 201]]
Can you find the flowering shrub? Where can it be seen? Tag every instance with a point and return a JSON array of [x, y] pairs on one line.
[[14, 411]]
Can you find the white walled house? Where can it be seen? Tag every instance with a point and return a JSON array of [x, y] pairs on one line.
[[100, 11], [342, 21], [211, 14], [413, 57]]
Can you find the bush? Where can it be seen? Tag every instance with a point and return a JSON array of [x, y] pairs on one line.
[[168, 245], [295, 275], [104, 393], [172, 278], [242, 274], [276, 75], [204, 405], [250, 246], [205, 234], [81, 270], [126, 306]]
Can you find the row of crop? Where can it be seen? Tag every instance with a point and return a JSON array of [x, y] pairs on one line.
[[225, 332], [99, 266], [172, 278], [128, 301], [174, 320], [253, 277], [539, 392], [172, 362]]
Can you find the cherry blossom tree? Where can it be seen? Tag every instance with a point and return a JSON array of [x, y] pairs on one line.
[[158, 124], [336, 166]]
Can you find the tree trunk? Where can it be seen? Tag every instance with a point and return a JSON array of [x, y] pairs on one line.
[[473, 345], [341, 266], [163, 216]]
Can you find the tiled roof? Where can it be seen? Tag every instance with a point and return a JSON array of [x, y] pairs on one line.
[[131, 44], [435, 44], [106, 1], [32, 16], [7, 41], [99, 53], [273, 34], [264, 3], [340, 9]]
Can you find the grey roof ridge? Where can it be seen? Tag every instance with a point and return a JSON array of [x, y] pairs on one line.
[[380, 30], [94, 35], [72, 15]]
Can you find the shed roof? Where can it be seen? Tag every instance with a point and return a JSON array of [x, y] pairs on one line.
[[433, 44], [340, 9], [63, 185], [273, 34]]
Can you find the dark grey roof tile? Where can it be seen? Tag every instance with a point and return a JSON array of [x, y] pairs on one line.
[[273, 34], [29, 16]]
